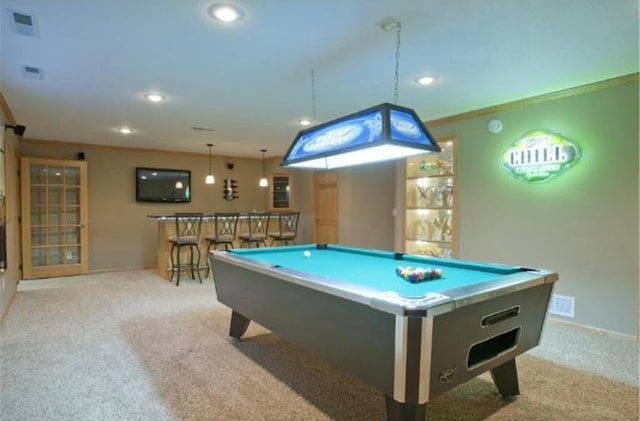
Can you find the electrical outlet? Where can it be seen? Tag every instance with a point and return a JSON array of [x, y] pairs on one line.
[[562, 305]]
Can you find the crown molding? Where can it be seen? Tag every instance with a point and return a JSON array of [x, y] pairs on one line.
[[577, 90], [7, 111]]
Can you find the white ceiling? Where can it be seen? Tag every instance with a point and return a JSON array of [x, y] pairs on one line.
[[251, 81]]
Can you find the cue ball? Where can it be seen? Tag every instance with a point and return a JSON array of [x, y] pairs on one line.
[[307, 253]]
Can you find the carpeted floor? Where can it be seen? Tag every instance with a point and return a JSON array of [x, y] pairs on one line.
[[131, 346]]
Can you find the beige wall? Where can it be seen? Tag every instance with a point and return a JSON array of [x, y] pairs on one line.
[[366, 199], [11, 188], [366, 202], [120, 233], [302, 201], [583, 224]]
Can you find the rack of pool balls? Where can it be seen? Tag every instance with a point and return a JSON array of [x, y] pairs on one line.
[[415, 275]]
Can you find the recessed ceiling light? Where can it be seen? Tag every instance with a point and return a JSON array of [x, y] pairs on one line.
[[124, 130], [154, 97], [305, 122], [226, 12], [426, 80]]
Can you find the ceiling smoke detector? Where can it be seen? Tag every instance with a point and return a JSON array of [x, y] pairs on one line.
[[388, 24]]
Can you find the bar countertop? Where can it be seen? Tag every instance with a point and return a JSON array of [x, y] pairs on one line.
[[210, 215]]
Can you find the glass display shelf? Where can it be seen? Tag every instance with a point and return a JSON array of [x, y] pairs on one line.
[[430, 225], [417, 177]]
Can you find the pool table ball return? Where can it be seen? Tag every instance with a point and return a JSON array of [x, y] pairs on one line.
[[411, 340]]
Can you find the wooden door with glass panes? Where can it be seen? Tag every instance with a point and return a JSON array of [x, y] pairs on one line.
[[54, 218], [430, 218]]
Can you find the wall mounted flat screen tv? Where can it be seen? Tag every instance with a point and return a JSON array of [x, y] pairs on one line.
[[163, 185]]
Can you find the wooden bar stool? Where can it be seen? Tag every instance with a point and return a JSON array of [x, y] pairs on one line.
[[258, 228], [188, 225], [287, 228], [225, 225]]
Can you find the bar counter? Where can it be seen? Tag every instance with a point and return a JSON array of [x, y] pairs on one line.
[[167, 228]]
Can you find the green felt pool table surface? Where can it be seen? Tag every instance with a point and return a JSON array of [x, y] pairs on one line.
[[376, 270]]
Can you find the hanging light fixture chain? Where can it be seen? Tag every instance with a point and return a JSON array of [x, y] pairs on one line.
[[210, 179], [313, 94], [397, 69]]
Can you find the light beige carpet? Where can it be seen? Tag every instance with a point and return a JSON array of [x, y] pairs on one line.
[[131, 346]]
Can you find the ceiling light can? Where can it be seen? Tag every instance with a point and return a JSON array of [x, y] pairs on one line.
[[154, 97], [426, 80], [225, 12]]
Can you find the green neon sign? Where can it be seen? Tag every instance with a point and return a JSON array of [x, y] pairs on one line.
[[540, 155]]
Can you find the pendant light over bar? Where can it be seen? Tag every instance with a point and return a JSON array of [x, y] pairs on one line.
[[263, 181], [210, 179], [380, 133]]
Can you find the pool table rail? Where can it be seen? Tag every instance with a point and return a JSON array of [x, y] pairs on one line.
[[428, 305]]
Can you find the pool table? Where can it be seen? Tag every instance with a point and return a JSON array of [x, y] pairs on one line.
[[412, 341]]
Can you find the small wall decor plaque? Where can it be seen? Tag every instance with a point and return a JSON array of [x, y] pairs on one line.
[[540, 155]]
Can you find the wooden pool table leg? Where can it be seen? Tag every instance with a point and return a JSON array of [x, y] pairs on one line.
[[505, 377], [239, 325], [397, 411]]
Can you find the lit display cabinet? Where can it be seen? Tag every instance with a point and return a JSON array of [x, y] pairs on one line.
[[280, 197], [430, 219]]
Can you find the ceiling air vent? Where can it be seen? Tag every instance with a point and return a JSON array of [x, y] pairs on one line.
[[24, 24], [32, 72]]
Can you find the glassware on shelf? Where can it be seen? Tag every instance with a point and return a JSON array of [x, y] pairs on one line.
[[435, 199], [445, 252], [431, 227], [426, 249], [421, 229], [421, 191], [447, 195], [432, 196], [438, 223], [447, 229], [437, 166]]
